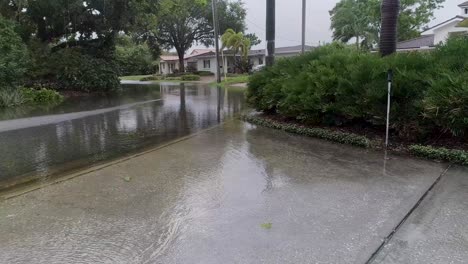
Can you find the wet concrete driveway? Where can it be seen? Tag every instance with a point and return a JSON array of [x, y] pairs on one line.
[[204, 200]]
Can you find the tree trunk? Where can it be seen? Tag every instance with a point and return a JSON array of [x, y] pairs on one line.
[[388, 34], [181, 55]]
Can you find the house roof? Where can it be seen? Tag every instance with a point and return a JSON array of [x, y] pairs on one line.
[[463, 4], [423, 41], [443, 23], [169, 58], [209, 53]]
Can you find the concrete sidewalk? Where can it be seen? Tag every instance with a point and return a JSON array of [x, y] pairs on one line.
[[437, 232], [204, 200]]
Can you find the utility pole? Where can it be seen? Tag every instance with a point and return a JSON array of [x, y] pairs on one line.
[[303, 25], [216, 36], [270, 32]]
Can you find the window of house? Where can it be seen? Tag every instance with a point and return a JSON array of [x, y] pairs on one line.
[[466, 11], [207, 64], [260, 61], [163, 65]]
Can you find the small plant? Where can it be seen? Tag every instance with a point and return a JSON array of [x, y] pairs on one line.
[[266, 225], [11, 97]]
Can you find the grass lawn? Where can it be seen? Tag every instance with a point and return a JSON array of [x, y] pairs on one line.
[[237, 79], [234, 80], [134, 77]]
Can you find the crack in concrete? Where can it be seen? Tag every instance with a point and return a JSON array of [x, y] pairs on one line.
[[400, 224]]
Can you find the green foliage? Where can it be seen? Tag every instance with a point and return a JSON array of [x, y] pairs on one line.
[[13, 55], [42, 96], [337, 85], [82, 72], [133, 58], [446, 102], [190, 77], [442, 154], [254, 40], [362, 19], [204, 73], [237, 42], [185, 22], [338, 137], [10, 97]]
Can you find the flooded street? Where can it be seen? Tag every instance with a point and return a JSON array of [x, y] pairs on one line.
[[232, 194], [104, 186], [38, 143]]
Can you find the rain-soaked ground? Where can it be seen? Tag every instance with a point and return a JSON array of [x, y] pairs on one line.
[[38, 143], [238, 193]]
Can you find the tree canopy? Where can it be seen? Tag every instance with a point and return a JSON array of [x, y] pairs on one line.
[[182, 23], [361, 19]]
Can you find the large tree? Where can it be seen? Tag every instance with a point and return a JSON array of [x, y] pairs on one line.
[[361, 19], [58, 21], [182, 23]]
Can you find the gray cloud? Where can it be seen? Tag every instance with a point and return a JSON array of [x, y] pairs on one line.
[[288, 16]]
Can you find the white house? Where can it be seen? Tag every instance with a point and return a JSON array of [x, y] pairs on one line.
[[438, 34], [205, 59]]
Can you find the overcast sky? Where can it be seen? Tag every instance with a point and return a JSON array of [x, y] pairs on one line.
[[288, 17]]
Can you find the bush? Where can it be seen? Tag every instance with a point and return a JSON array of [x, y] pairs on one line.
[[75, 70], [338, 85], [446, 103], [13, 55], [190, 78], [42, 96], [134, 59]]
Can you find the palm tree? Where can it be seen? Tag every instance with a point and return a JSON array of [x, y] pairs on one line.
[[388, 34], [236, 42]]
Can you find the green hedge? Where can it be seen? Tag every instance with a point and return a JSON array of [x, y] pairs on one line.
[[337, 85], [190, 78], [442, 154], [333, 136]]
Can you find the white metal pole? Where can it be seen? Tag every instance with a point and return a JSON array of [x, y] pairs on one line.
[[389, 92], [216, 35], [303, 25]]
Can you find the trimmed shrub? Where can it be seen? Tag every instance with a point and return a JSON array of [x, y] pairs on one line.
[[442, 154], [204, 73], [152, 78], [190, 78], [334, 136], [338, 85]]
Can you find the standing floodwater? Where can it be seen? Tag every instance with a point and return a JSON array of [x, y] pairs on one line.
[[38, 142]]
